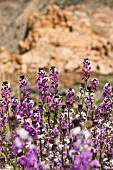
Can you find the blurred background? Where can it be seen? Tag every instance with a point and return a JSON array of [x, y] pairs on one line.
[[61, 33]]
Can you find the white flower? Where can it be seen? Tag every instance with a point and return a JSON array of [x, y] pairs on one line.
[[107, 84], [57, 153], [111, 162], [8, 167], [18, 142], [65, 113], [40, 136], [107, 124], [87, 94], [28, 144], [86, 133], [28, 120], [22, 133], [18, 117], [100, 121], [42, 141], [71, 152], [60, 146], [92, 94], [77, 116], [83, 115], [50, 145], [67, 140], [105, 160], [75, 131]]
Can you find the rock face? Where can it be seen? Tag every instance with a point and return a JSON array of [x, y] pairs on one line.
[[39, 24], [57, 37], [63, 38], [9, 63], [13, 21]]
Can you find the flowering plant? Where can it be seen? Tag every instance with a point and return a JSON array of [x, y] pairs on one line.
[[74, 134]]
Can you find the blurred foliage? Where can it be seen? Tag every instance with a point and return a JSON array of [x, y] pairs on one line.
[[19, 1], [105, 2], [64, 3]]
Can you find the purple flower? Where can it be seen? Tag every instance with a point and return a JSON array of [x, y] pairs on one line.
[[23, 87], [93, 84], [107, 91], [70, 97], [43, 86], [6, 92], [22, 160], [86, 69], [95, 164], [53, 74]]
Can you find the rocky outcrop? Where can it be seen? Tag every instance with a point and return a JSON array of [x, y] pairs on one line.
[[13, 21], [38, 24], [57, 37], [9, 63], [63, 38]]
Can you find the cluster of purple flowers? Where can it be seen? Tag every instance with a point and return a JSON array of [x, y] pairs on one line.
[[56, 134]]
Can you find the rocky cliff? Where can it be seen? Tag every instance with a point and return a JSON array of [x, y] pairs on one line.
[[63, 37]]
